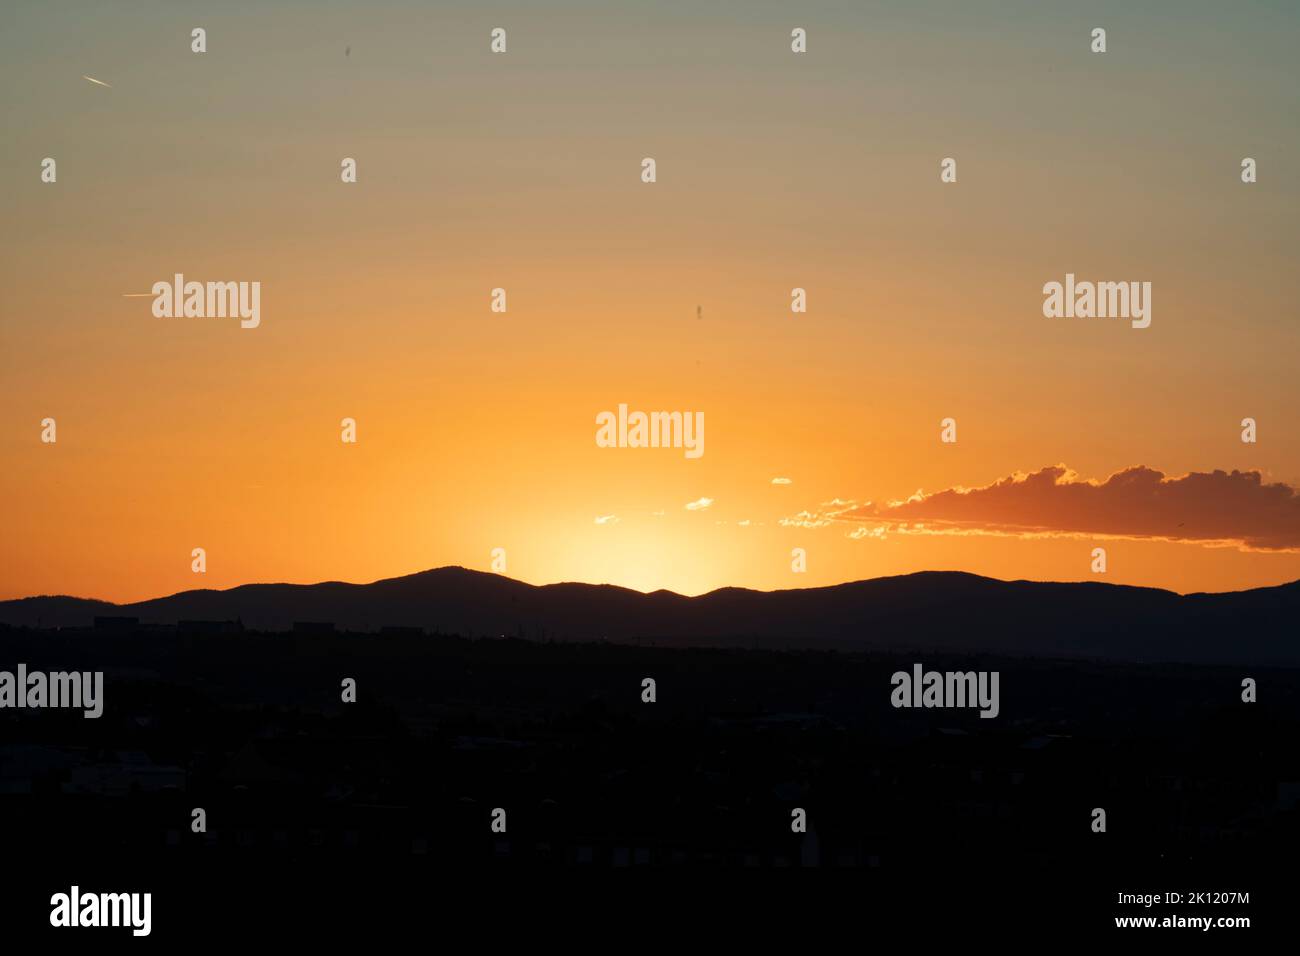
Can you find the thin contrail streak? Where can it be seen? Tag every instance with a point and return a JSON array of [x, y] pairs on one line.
[[93, 80]]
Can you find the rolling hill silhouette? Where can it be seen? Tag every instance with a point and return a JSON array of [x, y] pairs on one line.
[[940, 611]]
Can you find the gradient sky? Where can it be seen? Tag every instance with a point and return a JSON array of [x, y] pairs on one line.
[[775, 170]]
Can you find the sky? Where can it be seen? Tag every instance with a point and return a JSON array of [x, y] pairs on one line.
[[522, 170]]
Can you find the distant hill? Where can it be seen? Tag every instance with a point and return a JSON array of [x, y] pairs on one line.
[[926, 611]]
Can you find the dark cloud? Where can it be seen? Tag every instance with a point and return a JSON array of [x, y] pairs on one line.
[[1220, 507]]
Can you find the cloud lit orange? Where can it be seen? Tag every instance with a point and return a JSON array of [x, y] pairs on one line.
[[1215, 507]]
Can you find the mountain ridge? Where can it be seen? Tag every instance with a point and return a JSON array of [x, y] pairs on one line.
[[938, 610]]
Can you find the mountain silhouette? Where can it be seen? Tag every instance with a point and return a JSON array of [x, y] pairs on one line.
[[932, 610]]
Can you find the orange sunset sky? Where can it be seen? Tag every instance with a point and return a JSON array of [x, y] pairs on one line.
[[522, 171]]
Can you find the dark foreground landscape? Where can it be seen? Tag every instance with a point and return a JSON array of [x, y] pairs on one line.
[[306, 794]]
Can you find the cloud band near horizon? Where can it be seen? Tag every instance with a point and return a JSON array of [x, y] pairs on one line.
[[1214, 508]]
